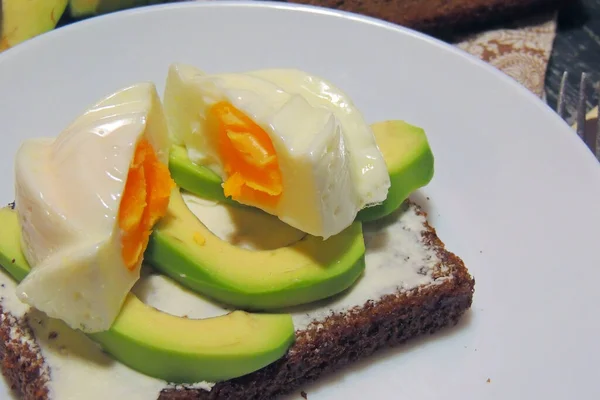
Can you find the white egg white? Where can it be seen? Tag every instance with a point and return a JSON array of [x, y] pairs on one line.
[[330, 164], [68, 192]]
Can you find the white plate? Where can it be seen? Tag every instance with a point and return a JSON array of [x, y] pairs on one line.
[[515, 194]]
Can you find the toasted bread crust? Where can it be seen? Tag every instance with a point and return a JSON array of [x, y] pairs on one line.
[[325, 346], [436, 16], [22, 364]]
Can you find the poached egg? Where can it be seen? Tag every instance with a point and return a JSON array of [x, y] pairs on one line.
[[282, 140], [87, 201]]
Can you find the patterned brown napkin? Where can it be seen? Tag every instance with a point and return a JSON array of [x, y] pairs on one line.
[[522, 51]]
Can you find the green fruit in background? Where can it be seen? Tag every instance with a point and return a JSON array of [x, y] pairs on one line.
[[24, 19], [83, 8]]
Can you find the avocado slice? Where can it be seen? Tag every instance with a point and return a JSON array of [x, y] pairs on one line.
[[195, 178], [23, 20], [404, 147], [178, 350], [308, 270], [409, 161]]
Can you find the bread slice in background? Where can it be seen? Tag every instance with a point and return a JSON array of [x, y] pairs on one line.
[[327, 344], [440, 16]]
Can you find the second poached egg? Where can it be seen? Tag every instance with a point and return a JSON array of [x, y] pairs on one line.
[[284, 141]]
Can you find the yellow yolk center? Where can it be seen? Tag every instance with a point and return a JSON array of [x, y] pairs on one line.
[[145, 200], [248, 156]]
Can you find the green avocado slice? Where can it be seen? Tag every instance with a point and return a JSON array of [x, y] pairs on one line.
[[404, 147], [305, 271], [409, 161], [195, 178], [178, 350]]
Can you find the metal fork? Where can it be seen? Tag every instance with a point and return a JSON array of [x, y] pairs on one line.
[[587, 130]]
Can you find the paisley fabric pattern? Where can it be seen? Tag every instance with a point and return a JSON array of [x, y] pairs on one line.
[[522, 51]]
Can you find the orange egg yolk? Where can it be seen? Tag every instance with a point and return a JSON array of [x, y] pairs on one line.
[[144, 202], [248, 157]]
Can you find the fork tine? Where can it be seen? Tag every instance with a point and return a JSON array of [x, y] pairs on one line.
[[560, 103], [581, 106], [597, 144]]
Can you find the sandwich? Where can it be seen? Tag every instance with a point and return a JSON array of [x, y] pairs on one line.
[[247, 237]]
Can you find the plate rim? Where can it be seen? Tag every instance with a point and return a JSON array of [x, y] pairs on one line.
[[584, 156], [439, 44], [271, 4]]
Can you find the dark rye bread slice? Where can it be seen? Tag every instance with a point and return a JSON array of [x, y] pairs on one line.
[[438, 16], [325, 346]]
